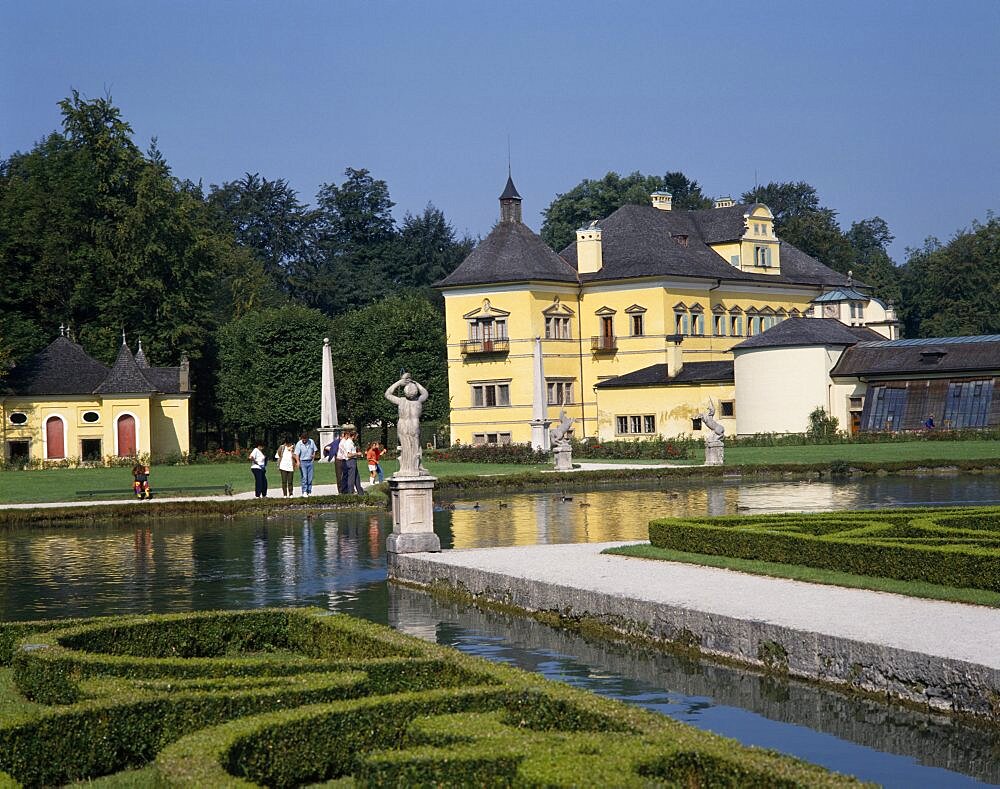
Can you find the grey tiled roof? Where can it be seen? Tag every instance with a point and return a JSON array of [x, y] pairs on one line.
[[510, 253], [642, 241], [510, 191], [921, 357], [125, 377], [63, 368], [809, 331], [656, 375]]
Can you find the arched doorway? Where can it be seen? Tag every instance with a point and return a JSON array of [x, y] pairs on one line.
[[55, 439], [126, 436]]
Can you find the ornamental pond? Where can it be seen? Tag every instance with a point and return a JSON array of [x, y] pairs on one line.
[[337, 561]]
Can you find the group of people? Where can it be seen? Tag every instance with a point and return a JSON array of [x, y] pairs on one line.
[[344, 452], [301, 456]]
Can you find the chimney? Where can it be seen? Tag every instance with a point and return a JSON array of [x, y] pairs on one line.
[[184, 377], [589, 253], [662, 200], [675, 356], [724, 202]]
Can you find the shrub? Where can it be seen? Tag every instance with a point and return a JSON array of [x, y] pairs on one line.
[[284, 697], [958, 548]]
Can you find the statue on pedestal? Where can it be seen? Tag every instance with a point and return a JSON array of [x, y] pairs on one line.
[[561, 442], [412, 487], [408, 425], [715, 448]]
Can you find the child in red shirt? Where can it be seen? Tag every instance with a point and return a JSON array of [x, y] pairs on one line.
[[373, 456]]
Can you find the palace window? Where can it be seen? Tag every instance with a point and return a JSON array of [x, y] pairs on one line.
[[90, 450], [481, 439], [697, 324], [18, 418], [90, 417], [719, 325], [560, 392], [490, 394], [734, 261], [557, 327], [736, 325], [636, 324], [727, 408], [681, 323], [637, 424], [483, 329], [858, 310]]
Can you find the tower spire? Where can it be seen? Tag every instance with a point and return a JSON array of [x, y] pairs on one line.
[[510, 202]]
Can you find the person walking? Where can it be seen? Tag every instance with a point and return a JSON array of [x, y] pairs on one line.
[[305, 450], [258, 467], [330, 453], [288, 461]]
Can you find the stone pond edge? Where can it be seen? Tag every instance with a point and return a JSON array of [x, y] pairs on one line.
[[912, 678]]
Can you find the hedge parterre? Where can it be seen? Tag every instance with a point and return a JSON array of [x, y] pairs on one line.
[[957, 547], [287, 697]]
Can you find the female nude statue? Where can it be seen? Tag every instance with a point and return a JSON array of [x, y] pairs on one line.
[[408, 424]]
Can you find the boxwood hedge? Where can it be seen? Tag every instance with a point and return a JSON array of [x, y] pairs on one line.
[[286, 697], [958, 547]]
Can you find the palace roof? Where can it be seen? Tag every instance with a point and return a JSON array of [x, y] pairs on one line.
[[921, 356], [809, 331], [64, 368], [643, 241], [656, 375], [512, 252]]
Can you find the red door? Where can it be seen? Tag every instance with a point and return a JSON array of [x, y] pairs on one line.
[[55, 444], [126, 436]]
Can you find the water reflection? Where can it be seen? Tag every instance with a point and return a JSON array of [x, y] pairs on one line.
[[337, 561]]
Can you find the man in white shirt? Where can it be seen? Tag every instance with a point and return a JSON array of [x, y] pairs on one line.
[[348, 452], [258, 467]]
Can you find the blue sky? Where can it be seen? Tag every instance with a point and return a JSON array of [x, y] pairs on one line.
[[888, 108]]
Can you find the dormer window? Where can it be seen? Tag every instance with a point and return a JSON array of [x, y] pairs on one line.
[[762, 256]]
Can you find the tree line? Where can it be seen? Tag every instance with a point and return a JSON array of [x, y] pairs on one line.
[[100, 236], [247, 279]]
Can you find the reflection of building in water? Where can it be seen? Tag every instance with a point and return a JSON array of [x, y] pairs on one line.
[[584, 516], [797, 497], [288, 565]]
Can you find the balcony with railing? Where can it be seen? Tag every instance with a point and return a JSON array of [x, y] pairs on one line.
[[603, 343], [485, 347]]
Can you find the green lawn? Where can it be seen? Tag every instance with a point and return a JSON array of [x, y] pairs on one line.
[[871, 453], [815, 575], [62, 484]]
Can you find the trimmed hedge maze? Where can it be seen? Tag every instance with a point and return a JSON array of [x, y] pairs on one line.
[[957, 547], [288, 697]]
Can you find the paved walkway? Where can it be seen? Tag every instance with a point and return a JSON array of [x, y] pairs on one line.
[[318, 490], [948, 630]]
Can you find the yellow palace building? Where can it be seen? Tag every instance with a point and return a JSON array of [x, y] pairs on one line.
[[62, 405], [629, 329]]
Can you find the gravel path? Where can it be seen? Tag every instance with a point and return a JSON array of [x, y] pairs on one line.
[[950, 630]]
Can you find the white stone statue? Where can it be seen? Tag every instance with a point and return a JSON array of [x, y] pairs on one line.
[[562, 447], [715, 447], [408, 425]]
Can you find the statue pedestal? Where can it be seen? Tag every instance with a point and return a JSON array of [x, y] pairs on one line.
[[564, 458], [714, 455], [540, 434], [326, 437], [412, 515]]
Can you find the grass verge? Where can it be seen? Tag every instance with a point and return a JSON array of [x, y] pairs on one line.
[[814, 575]]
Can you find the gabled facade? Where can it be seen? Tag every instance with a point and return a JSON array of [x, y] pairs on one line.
[[62, 405], [646, 292]]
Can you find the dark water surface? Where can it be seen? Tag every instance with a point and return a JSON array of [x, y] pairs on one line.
[[337, 561]]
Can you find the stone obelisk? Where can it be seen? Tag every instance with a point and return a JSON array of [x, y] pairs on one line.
[[329, 424], [539, 413]]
